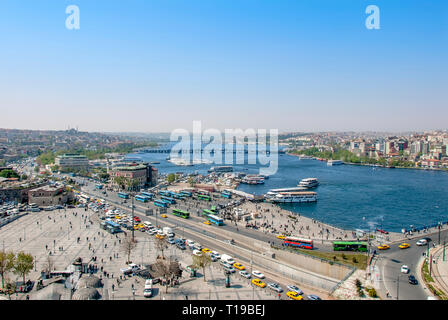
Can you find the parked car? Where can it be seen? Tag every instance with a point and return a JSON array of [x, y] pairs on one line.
[[245, 274], [405, 269], [421, 242], [258, 274], [258, 283], [294, 295], [313, 297], [197, 252]]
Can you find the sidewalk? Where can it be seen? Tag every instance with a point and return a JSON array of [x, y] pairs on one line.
[[439, 270]]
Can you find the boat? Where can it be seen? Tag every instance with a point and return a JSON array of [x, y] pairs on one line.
[[334, 162], [308, 183], [221, 169], [253, 179], [155, 162], [293, 197]]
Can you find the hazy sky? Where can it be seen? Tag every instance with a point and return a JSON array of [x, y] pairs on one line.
[[156, 65]]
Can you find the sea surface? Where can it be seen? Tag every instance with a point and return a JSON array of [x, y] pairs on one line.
[[349, 196]]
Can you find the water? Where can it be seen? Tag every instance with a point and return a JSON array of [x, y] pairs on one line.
[[349, 196]]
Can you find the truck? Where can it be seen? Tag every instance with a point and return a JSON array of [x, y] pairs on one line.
[[132, 267], [168, 231], [228, 259]]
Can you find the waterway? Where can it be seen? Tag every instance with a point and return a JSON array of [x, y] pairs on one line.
[[349, 196]]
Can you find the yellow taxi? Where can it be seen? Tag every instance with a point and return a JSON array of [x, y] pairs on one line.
[[258, 283], [164, 216], [140, 225], [118, 217], [207, 222], [294, 295], [206, 250], [239, 266], [136, 227], [404, 245], [383, 247], [280, 236], [160, 236]]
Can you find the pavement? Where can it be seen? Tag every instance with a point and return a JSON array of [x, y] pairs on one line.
[[439, 271]]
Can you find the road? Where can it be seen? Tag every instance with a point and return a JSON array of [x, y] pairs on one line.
[[389, 264]]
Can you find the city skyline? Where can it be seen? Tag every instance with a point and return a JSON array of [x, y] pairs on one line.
[[157, 66]]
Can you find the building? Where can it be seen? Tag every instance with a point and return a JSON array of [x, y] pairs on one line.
[[143, 174], [72, 161], [48, 195]]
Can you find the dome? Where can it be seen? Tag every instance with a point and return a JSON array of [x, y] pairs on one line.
[[89, 281], [86, 294]]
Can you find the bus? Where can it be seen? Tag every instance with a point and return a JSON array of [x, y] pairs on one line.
[[99, 186], [226, 195], [181, 213], [123, 195], [160, 203], [207, 212], [298, 242], [111, 226], [178, 196], [215, 219], [150, 195], [203, 197], [165, 193], [186, 193], [214, 209], [350, 246], [169, 199], [142, 198]]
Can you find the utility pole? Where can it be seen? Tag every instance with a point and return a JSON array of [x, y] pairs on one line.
[[132, 207], [439, 231], [430, 265], [398, 285], [443, 250]]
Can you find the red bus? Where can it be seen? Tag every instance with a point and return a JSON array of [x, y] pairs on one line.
[[298, 242]]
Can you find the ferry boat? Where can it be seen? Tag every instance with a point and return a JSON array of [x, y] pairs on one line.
[[334, 162], [308, 183], [253, 179], [221, 169], [293, 197]]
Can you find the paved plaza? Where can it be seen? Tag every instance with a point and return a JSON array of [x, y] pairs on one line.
[[64, 235]]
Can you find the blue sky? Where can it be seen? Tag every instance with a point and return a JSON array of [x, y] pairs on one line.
[[157, 65]]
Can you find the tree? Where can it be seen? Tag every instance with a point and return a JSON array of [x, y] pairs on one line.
[[7, 261], [161, 245], [23, 265], [202, 261], [8, 173], [128, 246], [191, 181], [171, 177]]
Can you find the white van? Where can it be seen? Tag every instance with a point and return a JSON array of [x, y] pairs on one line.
[[228, 259]]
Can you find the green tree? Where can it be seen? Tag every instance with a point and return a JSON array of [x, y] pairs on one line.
[[24, 263], [191, 181], [171, 177], [7, 261], [9, 173], [201, 261]]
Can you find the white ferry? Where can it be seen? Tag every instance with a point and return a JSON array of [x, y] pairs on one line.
[[293, 197], [308, 183], [253, 179], [221, 169], [334, 162], [273, 192]]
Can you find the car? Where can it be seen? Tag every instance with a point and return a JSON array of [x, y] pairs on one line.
[[137, 219], [383, 247], [216, 254], [239, 266], [197, 253], [147, 293], [427, 239], [258, 274], [164, 216], [245, 274], [280, 236], [259, 283], [206, 250], [412, 279], [229, 269], [160, 236], [275, 286], [295, 289], [207, 222], [170, 241], [294, 295], [313, 297], [421, 242], [404, 245], [404, 269], [213, 258]]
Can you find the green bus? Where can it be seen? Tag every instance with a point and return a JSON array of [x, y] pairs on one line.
[[203, 197], [214, 209], [181, 213], [350, 246], [207, 212]]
